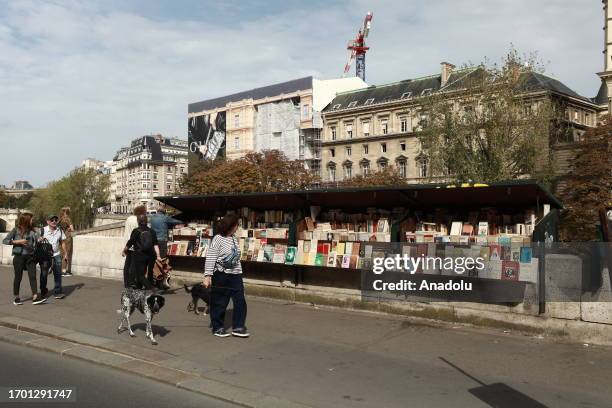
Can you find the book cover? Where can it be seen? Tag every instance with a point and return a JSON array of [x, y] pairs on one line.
[[510, 270], [346, 261], [468, 229], [299, 255], [525, 256], [331, 259], [268, 253], [356, 247], [340, 248], [320, 259], [483, 228], [494, 252], [279, 253], [348, 248], [353, 261], [290, 256], [204, 244], [309, 224], [172, 248], [456, 227]]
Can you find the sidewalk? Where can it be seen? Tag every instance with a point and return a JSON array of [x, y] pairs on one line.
[[301, 355]]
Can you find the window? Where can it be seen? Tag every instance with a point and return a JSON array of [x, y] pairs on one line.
[[365, 149], [422, 166], [336, 106], [154, 186], [349, 150], [423, 120], [332, 172], [384, 126], [366, 128], [348, 171], [236, 143], [403, 124], [402, 168], [236, 120], [403, 145], [349, 130], [382, 165], [168, 187], [426, 92], [369, 101], [352, 104], [383, 147], [305, 111], [332, 152], [333, 133], [365, 168], [277, 134], [406, 95]]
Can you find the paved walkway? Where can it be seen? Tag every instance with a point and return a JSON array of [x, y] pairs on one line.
[[321, 357]]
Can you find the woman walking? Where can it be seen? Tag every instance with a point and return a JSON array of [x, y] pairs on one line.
[[131, 223], [223, 271], [23, 239], [66, 226]]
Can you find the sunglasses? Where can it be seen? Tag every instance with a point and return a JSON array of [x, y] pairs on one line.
[[53, 219]]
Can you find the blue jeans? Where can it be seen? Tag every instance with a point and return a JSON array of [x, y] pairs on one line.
[[226, 286], [54, 263]]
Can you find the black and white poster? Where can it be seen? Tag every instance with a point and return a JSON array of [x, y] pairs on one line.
[[207, 135]]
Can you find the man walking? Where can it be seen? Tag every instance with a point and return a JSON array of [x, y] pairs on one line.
[[56, 237], [160, 223]]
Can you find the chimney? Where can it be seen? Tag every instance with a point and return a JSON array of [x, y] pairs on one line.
[[447, 69]]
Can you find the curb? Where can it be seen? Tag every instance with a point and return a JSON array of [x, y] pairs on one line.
[[136, 360]]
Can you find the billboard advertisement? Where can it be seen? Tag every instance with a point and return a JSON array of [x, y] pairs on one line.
[[206, 136]]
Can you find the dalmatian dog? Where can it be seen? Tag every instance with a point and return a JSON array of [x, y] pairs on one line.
[[148, 305]]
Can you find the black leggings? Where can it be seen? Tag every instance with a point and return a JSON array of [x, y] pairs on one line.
[[21, 262], [142, 271]]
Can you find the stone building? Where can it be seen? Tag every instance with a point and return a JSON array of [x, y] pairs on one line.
[[372, 128], [284, 116], [151, 166]]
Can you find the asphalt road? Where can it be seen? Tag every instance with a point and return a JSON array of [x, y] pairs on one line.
[[96, 386]]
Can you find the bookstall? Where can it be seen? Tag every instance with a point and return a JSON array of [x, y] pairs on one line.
[[325, 237]]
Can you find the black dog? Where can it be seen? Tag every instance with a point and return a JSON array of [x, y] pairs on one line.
[[149, 306], [198, 292]]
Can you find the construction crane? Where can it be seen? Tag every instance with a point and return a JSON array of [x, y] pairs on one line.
[[357, 49]]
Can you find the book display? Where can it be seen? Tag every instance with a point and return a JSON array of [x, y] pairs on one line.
[[191, 240]]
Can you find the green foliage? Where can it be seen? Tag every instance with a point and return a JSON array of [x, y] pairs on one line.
[[20, 202], [83, 190], [589, 188], [268, 171], [484, 128]]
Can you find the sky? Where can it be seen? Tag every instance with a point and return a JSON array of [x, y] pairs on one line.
[[81, 79]]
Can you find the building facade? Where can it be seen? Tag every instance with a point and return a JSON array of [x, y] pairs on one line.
[[604, 96], [284, 116], [372, 128], [151, 166]]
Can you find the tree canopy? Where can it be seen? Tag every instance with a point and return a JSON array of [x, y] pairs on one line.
[[484, 129], [268, 171]]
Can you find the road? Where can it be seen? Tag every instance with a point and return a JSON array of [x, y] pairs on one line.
[[325, 357], [96, 386]]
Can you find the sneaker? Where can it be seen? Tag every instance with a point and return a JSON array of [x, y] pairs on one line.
[[17, 301], [241, 332], [67, 274], [60, 296], [221, 333], [39, 300]]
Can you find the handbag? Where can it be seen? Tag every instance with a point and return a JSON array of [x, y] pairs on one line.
[[230, 260]]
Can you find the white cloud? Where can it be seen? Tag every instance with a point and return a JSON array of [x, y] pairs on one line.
[[78, 80]]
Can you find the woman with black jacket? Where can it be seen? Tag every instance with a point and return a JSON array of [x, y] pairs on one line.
[[146, 250], [23, 239]]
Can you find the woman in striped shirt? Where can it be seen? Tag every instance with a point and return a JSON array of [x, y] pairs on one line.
[[222, 271]]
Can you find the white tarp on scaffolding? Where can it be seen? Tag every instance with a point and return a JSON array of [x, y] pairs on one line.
[[277, 126]]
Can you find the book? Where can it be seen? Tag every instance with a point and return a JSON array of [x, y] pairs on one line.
[[483, 228], [510, 270], [320, 259], [468, 229], [495, 252], [204, 244], [299, 256], [525, 256], [340, 248], [348, 248], [309, 224], [268, 253], [346, 261], [279, 253], [356, 247], [456, 227], [331, 259], [290, 256], [354, 259]]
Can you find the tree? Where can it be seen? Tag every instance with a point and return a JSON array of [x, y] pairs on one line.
[[268, 171], [484, 128], [3, 199], [589, 186], [83, 190], [389, 176]]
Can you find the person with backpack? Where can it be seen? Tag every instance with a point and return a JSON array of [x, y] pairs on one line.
[[223, 274], [54, 237], [146, 250], [23, 239], [131, 223]]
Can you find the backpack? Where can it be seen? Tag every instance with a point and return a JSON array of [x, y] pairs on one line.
[[145, 241], [230, 260]]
